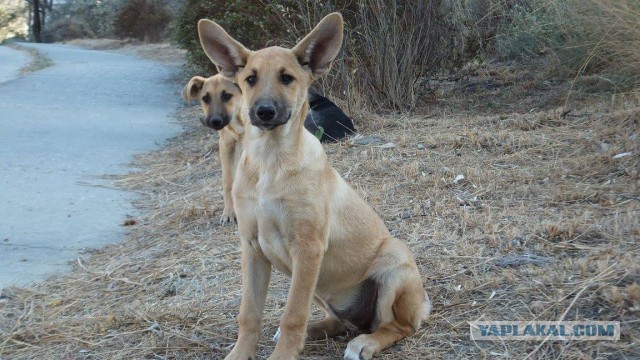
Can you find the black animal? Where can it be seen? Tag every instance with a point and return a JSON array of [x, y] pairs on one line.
[[326, 119]]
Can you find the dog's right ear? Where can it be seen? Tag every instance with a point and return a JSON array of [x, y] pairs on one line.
[[192, 88], [224, 51]]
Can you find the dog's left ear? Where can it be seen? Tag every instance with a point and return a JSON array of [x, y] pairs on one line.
[[224, 51], [318, 49]]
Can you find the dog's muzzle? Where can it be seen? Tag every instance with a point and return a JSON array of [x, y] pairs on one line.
[[216, 122], [267, 115]]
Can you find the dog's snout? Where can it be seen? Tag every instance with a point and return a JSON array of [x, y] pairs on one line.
[[216, 122], [266, 112]]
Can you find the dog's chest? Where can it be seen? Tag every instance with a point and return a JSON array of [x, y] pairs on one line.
[[271, 232]]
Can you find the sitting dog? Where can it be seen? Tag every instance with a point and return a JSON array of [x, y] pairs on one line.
[[297, 214], [220, 100]]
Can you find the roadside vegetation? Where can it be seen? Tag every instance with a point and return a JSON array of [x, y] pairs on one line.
[[38, 61], [506, 154]]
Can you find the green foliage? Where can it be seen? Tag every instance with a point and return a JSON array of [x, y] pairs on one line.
[[248, 21], [143, 20]]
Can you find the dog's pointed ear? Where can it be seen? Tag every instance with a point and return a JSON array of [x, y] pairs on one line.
[[224, 51], [318, 49], [192, 88]]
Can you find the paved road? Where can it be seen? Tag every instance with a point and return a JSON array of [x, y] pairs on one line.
[[61, 130], [10, 63]]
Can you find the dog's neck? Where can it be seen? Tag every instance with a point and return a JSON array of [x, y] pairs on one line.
[[282, 148]]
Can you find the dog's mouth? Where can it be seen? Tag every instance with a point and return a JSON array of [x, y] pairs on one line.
[[270, 124]]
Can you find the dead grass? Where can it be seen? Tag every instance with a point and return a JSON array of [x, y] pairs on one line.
[[540, 185], [38, 60], [162, 52]]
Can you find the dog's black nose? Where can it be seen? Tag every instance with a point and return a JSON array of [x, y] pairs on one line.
[[266, 112], [215, 122]]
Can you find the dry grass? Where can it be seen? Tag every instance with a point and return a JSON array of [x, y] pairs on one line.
[[616, 47], [38, 60], [542, 183], [162, 52]]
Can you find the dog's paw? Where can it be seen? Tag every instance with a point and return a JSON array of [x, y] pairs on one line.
[[228, 217], [276, 336], [360, 348], [240, 355]]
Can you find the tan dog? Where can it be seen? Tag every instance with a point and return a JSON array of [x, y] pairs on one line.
[[220, 100], [296, 213]]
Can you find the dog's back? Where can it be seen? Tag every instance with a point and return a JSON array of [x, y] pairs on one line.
[[325, 114]]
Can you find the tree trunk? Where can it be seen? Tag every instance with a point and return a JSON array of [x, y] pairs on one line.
[[37, 28]]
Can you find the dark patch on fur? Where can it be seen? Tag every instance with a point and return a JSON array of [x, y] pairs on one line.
[[362, 311], [323, 113]]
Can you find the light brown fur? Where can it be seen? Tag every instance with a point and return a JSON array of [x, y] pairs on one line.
[[212, 93], [296, 213]]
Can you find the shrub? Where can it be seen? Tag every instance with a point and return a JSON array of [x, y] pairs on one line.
[[13, 18], [589, 37], [81, 19], [143, 20], [246, 20], [390, 48]]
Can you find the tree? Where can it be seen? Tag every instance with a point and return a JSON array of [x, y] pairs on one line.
[[36, 27]]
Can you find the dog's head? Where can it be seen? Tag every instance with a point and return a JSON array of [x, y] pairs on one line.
[[220, 99], [274, 81]]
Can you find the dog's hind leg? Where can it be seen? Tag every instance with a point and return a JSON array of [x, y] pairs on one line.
[[328, 327], [401, 308]]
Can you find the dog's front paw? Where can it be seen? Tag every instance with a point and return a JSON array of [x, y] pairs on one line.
[[228, 217], [239, 354], [360, 348]]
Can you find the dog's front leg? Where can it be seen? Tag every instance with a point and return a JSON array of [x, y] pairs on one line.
[[306, 259], [229, 164], [256, 271]]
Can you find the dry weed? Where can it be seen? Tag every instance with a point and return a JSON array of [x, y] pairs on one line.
[[536, 186]]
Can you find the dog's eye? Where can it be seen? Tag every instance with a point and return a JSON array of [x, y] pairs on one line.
[[251, 80], [286, 79], [206, 98], [225, 96]]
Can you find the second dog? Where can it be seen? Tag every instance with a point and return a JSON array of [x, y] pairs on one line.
[[220, 100]]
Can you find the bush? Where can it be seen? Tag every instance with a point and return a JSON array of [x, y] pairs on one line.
[[390, 48], [81, 19], [143, 20], [13, 16], [588, 37], [246, 20]]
